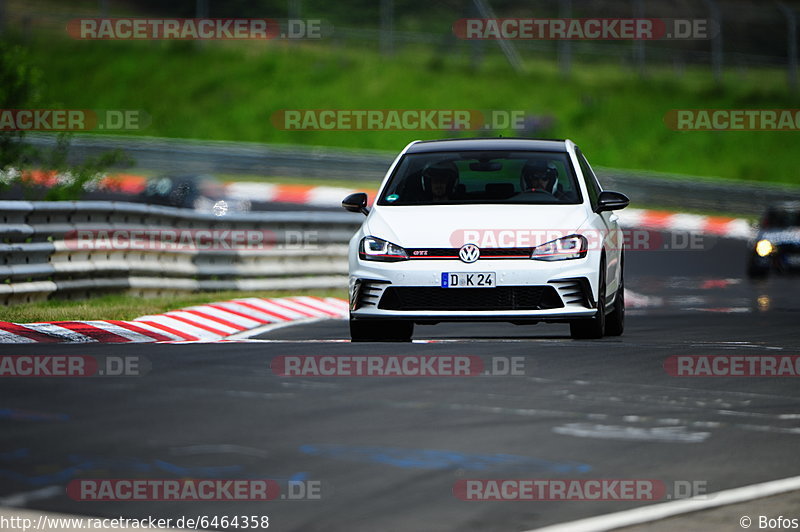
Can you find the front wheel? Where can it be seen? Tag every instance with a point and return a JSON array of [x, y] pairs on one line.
[[593, 327], [381, 330], [615, 322]]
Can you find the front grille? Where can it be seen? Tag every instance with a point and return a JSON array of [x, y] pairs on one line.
[[486, 253], [498, 298], [789, 248]]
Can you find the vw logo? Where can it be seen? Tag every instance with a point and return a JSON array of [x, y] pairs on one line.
[[469, 253]]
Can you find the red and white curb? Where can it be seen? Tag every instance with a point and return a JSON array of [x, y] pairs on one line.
[[694, 223], [636, 300], [317, 196], [211, 322], [236, 319]]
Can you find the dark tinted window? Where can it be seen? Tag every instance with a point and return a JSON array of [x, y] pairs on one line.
[[473, 177], [781, 219]]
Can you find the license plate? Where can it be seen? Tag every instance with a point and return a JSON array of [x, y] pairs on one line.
[[468, 279]]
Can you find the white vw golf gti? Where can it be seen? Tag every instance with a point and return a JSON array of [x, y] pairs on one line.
[[513, 230]]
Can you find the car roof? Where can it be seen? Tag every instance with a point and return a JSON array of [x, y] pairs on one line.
[[488, 144], [793, 206], [190, 177]]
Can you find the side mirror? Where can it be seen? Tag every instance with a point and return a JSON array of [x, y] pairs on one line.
[[356, 203], [611, 201]]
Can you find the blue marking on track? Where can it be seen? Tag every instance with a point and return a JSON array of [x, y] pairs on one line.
[[440, 459], [77, 465], [16, 454]]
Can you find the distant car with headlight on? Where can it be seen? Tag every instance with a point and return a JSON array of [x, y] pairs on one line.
[[776, 247], [513, 230]]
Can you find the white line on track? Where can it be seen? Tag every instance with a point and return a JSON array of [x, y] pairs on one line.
[[246, 335], [656, 512]]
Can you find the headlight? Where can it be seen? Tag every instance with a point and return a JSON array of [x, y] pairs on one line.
[[372, 248], [764, 248], [569, 247]]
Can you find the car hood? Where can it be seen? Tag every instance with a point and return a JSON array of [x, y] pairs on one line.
[[781, 236], [449, 225]]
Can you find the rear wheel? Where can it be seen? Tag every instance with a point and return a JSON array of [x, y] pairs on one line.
[[594, 326], [381, 330]]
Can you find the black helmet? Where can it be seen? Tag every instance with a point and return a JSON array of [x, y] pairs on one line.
[[444, 170], [538, 170]]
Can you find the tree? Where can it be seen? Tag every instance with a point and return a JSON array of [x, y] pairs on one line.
[[19, 89]]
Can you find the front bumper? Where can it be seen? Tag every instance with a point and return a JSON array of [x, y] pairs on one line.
[[786, 259], [526, 291]]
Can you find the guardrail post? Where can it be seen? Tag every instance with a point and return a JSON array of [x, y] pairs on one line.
[[508, 49], [564, 45], [791, 36], [638, 44], [201, 9], [294, 9], [387, 27], [716, 41], [2, 15]]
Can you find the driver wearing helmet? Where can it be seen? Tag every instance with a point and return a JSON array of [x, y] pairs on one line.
[[538, 176], [439, 181]]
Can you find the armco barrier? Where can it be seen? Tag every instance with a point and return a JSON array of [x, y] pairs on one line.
[[40, 258]]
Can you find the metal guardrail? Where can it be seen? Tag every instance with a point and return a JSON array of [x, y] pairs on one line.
[[681, 193], [76, 249], [186, 156], [191, 156]]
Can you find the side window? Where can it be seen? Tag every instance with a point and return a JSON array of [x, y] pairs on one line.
[[592, 185]]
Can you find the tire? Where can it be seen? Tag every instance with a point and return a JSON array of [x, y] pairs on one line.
[[381, 330], [615, 322], [593, 327], [754, 272]]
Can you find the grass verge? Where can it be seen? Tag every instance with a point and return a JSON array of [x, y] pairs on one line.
[[128, 307], [232, 92]]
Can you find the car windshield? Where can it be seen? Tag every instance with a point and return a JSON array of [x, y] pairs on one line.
[[471, 177], [781, 219]]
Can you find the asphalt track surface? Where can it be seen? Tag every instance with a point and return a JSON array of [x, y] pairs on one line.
[[388, 451]]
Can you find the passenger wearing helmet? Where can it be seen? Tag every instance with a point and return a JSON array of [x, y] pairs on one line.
[[538, 176], [439, 181]]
